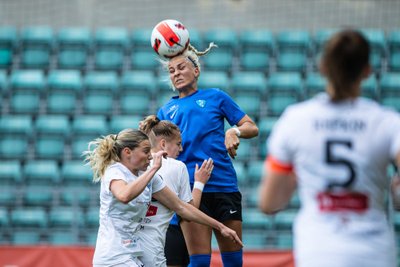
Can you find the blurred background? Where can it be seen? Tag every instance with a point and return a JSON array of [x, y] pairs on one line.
[[73, 70]]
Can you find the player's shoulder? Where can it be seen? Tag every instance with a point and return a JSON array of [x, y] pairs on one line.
[[174, 163]]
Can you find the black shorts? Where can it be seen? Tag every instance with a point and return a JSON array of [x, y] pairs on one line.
[[222, 206], [175, 247]]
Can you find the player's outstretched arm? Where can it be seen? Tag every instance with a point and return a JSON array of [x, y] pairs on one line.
[[191, 213]]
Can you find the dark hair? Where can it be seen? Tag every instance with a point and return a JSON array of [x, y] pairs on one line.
[[106, 150], [155, 127], [345, 57]]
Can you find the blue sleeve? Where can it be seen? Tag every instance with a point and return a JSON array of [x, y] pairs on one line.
[[232, 112], [160, 114]]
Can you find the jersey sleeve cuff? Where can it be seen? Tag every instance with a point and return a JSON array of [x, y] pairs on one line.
[[277, 166]]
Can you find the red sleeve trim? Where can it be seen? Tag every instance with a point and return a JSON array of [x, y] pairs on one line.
[[277, 166]]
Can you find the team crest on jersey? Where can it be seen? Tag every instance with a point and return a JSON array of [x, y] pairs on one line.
[[201, 103], [172, 111]]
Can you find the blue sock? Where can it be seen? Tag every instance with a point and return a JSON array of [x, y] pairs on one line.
[[200, 260], [232, 259]]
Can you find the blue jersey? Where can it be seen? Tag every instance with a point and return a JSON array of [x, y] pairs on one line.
[[201, 119]]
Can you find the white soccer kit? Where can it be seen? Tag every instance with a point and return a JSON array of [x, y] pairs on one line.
[[340, 153], [119, 223], [154, 227]]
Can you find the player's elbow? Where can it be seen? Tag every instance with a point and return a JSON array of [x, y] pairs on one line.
[[267, 209]]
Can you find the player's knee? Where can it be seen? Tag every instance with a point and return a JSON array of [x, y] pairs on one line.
[[232, 258]]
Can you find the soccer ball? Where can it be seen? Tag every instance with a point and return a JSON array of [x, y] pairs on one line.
[[169, 38]]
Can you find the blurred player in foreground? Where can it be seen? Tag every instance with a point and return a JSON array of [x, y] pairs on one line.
[[121, 162], [166, 136], [336, 148]]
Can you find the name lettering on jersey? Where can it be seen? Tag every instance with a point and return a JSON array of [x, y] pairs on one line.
[[201, 103], [340, 124], [172, 111], [151, 211], [342, 201]]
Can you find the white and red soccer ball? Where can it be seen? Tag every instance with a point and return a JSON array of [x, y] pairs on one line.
[[169, 38]]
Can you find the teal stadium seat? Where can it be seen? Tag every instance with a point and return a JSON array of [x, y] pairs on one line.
[[85, 128], [288, 83], [26, 237], [63, 238], [8, 44], [251, 83], [293, 40], [14, 147], [74, 44], [140, 39], [394, 62], [393, 41], [29, 217], [9, 195], [284, 219], [38, 196], [213, 79], [108, 59], [92, 217], [265, 126], [37, 43], [3, 82], [292, 62], [255, 171], [6, 58], [111, 37], [277, 103], [17, 124], [391, 101], [138, 81], [50, 124], [253, 219], [121, 122], [74, 195], [41, 172], [250, 103], [390, 84], [254, 61], [218, 60], [8, 37], [10, 173], [110, 45], [241, 172], [137, 90], [144, 60], [64, 89], [76, 173], [255, 240], [377, 40], [4, 218], [65, 217], [196, 38], [244, 153], [99, 91], [257, 41], [314, 83], [52, 131], [27, 87], [284, 240], [226, 39], [369, 87]]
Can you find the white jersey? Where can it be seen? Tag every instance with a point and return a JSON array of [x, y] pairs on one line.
[[119, 223], [155, 225], [340, 153]]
